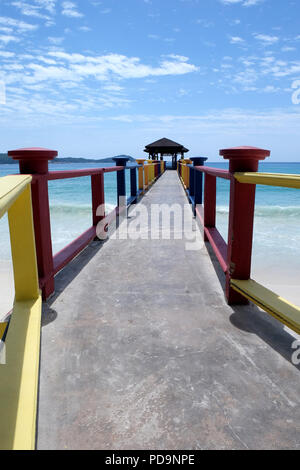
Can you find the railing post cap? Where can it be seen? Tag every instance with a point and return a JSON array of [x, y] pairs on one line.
[[245, 153], [34, 153], [119, 160], [197, 160]]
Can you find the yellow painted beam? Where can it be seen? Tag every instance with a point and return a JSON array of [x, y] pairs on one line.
[[187, 176], [141, 161], [19, 377], [146, 175], [279, 308], [23, 247], [151, 172], [3, 326], [10, 188], [269, 179]]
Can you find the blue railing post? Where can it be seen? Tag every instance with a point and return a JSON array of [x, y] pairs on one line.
[[159, 168], [192, 181], [133, 182], [121, 182], [198, 181]]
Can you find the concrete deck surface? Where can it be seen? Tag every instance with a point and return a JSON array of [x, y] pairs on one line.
[[141, 351]]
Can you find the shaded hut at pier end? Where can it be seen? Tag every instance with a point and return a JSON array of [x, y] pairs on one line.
[[166, 147]]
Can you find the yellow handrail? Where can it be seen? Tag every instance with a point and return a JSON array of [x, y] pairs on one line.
[[272, 303], [19, 375], [10, 189], [269, 179], [277, 306]]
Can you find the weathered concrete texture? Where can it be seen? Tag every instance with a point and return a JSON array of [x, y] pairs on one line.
[[141, 351]]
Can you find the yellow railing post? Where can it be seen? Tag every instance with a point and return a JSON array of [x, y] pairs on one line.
[[183, 169], [23, 247], [19, 374], [146, 175], [151, 171], [141, 161], [187, 173]]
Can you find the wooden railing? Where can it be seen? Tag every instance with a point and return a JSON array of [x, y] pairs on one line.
[[20, 338], [25, 199], [34, 161], [235, 255]]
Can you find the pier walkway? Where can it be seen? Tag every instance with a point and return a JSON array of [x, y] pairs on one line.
[[139, 350]]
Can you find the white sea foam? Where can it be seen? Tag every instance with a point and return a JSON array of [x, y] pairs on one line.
[[268, 211]]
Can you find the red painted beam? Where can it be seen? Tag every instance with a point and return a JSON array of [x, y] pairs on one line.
[[214, 172], [213, 236], [98, 198], [210, 197], [63, 257], [218, 244], [67, 174], [111, 169]]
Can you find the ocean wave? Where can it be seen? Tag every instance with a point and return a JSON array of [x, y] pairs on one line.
[[268, 211], [73, 209], [260, 211]]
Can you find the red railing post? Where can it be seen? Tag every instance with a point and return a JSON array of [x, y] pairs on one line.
[[98, 198], [210, 195], [35, 161], [241, 216]]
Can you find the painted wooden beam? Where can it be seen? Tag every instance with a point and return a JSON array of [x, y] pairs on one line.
[[269, 179], [279, 308]]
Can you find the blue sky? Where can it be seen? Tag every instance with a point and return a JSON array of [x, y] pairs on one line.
[[100, 78]]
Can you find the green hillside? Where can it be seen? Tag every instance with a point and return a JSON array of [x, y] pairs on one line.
[[5, 159]]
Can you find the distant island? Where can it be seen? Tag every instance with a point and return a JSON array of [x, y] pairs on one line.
[[5, 159]]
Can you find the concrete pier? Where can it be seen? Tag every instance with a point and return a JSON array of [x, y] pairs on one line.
[[141, 351]]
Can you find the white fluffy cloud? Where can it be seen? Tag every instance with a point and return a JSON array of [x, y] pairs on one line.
[[120, 66], [70, 9], [36, 8], [244, 3], [18, 25], [266, 38]]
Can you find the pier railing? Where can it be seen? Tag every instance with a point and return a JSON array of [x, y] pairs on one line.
[[35, 162], [235, 255], [25, 199]]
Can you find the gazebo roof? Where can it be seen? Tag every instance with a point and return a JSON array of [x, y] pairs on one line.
[[165, 146]]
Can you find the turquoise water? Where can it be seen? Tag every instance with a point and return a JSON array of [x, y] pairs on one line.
[[276, 245], [277, 223], [70, 204]]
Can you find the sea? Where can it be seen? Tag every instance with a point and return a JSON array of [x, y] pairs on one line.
[[276, 248]]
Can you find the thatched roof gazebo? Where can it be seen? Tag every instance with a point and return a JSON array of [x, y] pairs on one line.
[[164, 147]]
